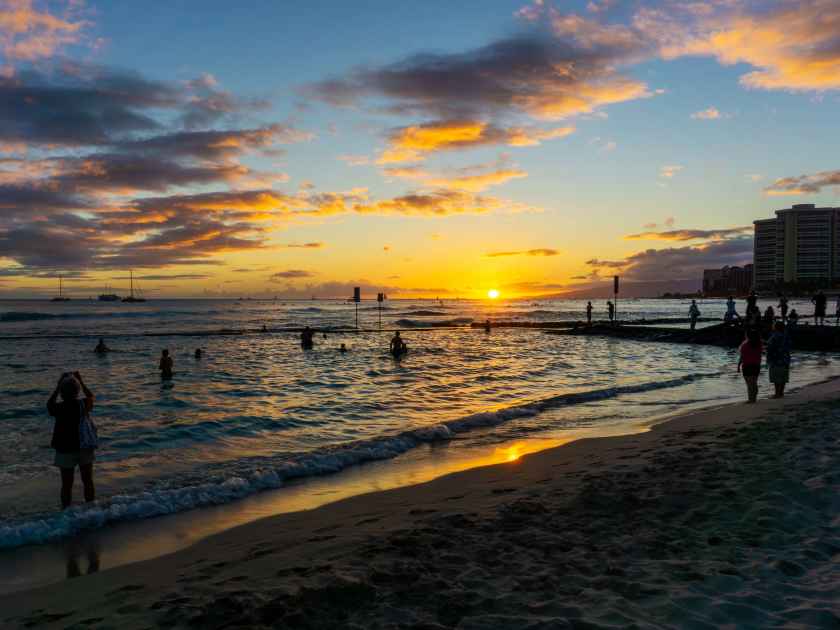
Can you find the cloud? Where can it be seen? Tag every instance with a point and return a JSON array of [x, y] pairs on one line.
[[304, 245], [542, 251], [804, 184], [669, 221], [678, 263], [670, 170], [546, 76], [355, 160], [712, 113], [291, 274], [415, 142], [30, 34], [690, 235]]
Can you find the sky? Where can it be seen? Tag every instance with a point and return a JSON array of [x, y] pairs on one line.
[[423, 149]]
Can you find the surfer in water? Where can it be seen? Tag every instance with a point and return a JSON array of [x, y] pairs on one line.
[[101, 348], [398, 347], [487, 326], [166, 364]]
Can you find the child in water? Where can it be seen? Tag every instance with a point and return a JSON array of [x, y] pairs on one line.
[[166, 364]]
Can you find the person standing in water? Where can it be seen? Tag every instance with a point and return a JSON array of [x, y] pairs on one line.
[[66, 438], [778, 359], [166, 364], [398, 346], [487, 326], [101, 348], [611, 311], [731, 313], [749, 363], [198, 353], [589, 313], [306, 338], [820, 302], [693, 314], [783, 306]]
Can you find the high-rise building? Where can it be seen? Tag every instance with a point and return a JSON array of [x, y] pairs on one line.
[[800, 246], [728, 281]]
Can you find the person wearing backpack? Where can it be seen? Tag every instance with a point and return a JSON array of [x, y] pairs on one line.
[[74, 435]]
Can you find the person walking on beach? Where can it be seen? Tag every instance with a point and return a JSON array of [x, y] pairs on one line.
[[166, 364], [820, 302], [783, 306], [749, 363], [611, 311], [693, 313], [589, 313], [68, 433], [778, 359]]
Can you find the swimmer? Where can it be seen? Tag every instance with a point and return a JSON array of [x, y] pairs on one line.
[[198, 353], [487, 326], [306, 338], [166, 364], [398, 346], [342, 349], [101, 348]]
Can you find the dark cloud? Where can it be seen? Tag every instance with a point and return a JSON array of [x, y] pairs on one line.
[[41, 244], [691, 235], [804, 184], [537, 73], [291, 274]]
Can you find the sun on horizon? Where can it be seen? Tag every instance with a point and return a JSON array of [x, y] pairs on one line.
[[493, 294]]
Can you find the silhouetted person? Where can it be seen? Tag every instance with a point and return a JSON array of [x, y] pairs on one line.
[[398, 347], [342, 349], [783, 306], [731, 313], [769, 318], [837, 310], [66, 438], [198, 353], [792, 322], [166, 364], [693, 314], [749, 363], [101, 348], [611, 311], [487, 326], [589, 313], [819, 301], [778, 359], [306, 338], [264, 328]]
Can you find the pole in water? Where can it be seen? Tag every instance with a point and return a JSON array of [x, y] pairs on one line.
[[615, 292], [357, 297], [380, 297]]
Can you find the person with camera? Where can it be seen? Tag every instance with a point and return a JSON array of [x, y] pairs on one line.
[[74, 435]]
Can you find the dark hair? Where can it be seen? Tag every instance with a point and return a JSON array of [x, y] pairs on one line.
[[779, 327], [753, 337]]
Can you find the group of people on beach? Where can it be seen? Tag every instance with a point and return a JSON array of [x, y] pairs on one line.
[[610, 312]]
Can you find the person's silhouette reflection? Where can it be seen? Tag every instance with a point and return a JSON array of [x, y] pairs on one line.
[[74, 554]]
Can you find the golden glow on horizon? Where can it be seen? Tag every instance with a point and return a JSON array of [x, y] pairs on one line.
[[493, 294]]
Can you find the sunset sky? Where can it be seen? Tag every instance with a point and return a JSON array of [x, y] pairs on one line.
[[429, 148]]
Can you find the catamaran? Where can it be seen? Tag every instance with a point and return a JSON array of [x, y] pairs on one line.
[[131, 297]]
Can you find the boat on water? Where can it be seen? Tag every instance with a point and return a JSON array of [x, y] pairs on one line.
[[109, 297], [131, 297], [60, 297]]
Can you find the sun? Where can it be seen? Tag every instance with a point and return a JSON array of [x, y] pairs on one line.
[[493, 294]]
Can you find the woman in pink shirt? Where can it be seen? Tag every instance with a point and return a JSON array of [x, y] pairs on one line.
[[749, 363]]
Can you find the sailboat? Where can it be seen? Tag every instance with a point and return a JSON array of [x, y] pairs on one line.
[[60, 297], [109, 297], [131, 297]]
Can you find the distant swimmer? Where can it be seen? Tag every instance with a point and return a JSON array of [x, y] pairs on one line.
[[589, 313], [166, 364], [398, 347], [487, 326], [264, 328], [611, 310], [693, 314], [101, 348], [198, 353], [342, 349], [306, 338]]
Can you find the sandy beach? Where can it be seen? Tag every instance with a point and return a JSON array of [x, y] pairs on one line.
[[724, 518]]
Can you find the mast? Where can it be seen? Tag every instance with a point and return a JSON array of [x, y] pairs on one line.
[[131, 282], [59, 285]]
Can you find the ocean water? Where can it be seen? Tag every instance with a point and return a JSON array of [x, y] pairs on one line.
[[257, 410]]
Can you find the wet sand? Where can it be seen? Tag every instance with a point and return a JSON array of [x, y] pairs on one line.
[[728, 517]]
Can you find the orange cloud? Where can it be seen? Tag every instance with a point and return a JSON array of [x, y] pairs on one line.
[[29, 34], [711, 113], [413, 143], [689, 235], [804, 184], [477, 183], [541, 251]]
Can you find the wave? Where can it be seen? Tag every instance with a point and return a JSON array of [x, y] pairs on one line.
[[267, 475], [411, 323], [425, 313], [24, 316]]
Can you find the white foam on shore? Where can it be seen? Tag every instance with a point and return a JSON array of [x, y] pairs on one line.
[[169, 500]]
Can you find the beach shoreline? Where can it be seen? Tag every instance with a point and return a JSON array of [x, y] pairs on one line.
[[645, 517]]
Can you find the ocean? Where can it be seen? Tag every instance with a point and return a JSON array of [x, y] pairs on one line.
[[257, 411]]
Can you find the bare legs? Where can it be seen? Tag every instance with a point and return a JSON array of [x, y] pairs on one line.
[[780, 390], [752, 388], [67, 474]]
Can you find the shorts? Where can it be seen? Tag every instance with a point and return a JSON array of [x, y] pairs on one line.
[[751, 370], [779, 374], [71, 460]]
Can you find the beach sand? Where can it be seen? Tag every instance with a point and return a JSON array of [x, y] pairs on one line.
[[723, 518]]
